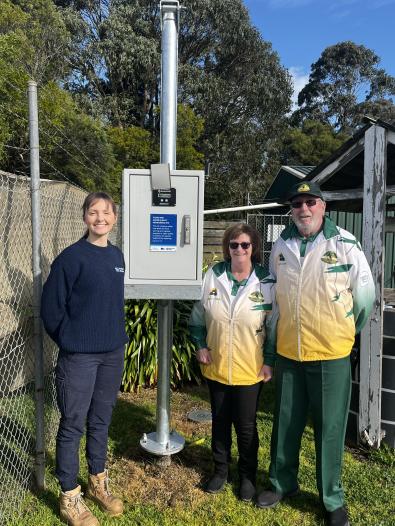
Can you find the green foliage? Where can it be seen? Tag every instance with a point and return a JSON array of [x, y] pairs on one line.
[[346, 82], [42, 36], [189, 131], [385, 456], [310, 144], [75, 144], [228, 75], [13, 82], [234, 81], [141, 368], [133, 147], [33, 43]]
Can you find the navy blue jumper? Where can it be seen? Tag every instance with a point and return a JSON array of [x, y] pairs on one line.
[[82, 310]]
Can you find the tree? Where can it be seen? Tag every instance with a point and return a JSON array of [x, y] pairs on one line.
[[189, 132], [13, 83], [43, 36], [116, 59], [345, 83], [310, 144], [73, 145], [228, 75], [133, 147], [234, 81]]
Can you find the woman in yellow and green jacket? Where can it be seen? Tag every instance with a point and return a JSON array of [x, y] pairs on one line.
[[228, 327]]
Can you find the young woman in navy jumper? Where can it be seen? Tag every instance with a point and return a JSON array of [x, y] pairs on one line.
[[83, 312]]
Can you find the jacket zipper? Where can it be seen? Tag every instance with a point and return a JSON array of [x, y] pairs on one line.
[[230, 351], [298, 323]]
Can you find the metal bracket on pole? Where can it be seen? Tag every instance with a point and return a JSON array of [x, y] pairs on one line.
[[161, 442]]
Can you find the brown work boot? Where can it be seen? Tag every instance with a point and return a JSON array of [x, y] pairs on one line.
[[99, 492], [74, 511]]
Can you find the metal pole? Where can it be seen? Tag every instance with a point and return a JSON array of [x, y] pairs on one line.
[[37, 283], [165, 326], [162, 442], [168, 137], [168, 110]]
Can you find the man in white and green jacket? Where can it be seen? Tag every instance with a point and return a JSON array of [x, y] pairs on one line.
[[325, 293]]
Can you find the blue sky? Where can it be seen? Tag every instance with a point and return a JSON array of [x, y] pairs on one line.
[[300, 30]]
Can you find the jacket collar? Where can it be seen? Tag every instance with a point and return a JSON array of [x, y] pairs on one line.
[[221, 268], [329, 229]]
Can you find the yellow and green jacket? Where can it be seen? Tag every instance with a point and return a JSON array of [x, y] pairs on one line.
[[233, 329], [323, 303]]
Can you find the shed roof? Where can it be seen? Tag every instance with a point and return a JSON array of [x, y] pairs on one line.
[[343, 170], [285, 178], [348, 174]]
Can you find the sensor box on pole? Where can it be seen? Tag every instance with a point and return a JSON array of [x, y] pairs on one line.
[[163, 232]]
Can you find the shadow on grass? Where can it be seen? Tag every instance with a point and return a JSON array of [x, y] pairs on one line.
[[305, 502], [129, 422], [48, 496]]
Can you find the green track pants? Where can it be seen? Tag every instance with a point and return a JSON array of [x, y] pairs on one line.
[[322, 388]]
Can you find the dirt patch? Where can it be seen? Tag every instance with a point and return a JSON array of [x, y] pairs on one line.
[[143, 480]]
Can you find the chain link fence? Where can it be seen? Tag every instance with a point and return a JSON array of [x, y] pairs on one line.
[[270, 228], [61, 225]]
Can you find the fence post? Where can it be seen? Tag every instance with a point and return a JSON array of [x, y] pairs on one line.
[[37, 284], [370, 365]]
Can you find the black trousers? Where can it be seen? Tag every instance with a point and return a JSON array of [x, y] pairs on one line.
[[237, 405]]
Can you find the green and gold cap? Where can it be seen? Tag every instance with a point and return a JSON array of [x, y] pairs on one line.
[[304, 188]]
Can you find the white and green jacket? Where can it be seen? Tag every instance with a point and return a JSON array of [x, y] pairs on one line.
[[232, 328], [323, 303]]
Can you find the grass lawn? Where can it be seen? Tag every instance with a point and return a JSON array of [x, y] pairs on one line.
[[173, 495]]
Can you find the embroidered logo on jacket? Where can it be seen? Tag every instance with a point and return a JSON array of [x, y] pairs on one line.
[[281, 258], [213, 292], [329, 257], [256, 296], [119, 269]]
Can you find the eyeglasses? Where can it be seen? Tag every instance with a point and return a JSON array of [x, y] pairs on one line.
[[309, 202], [244, 245]]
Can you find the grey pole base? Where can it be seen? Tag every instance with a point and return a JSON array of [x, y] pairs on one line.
[[174, 445]]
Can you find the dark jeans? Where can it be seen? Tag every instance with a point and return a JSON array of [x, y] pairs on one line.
[[237, 405], [86, 386]]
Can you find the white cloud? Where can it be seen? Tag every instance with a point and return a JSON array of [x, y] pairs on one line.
[[300, 79]]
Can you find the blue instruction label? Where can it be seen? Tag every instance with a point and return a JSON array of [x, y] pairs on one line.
[[163, 232]]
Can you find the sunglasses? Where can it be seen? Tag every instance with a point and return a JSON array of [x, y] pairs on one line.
[[309, 202], [244, 245]]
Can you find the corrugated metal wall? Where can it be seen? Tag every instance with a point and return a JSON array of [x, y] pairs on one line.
[[352, 222]]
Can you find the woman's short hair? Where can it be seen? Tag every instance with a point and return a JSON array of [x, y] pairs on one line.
[[91, 199], [234, 232]]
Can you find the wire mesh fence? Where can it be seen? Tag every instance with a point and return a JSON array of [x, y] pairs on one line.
[[61, 225], [270, 228]]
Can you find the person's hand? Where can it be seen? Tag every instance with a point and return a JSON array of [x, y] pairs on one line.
[[203, 356], [266, 373]]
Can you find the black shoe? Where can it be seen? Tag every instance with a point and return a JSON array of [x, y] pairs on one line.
[[216, 484], [269, 499], [338, 517], [247, 490]]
